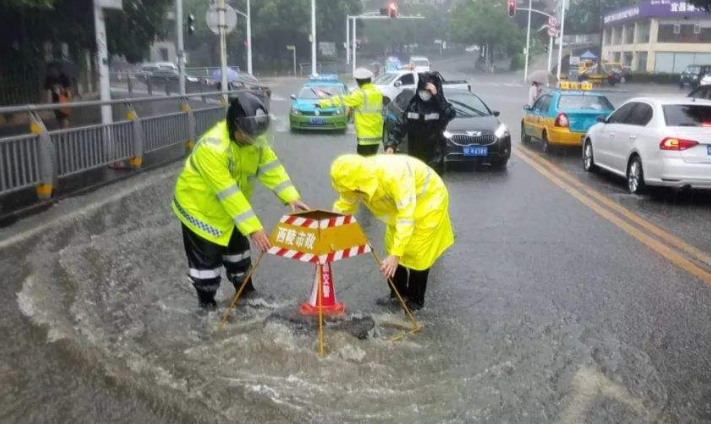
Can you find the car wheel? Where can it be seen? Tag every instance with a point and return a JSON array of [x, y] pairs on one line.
[[546, 146], [588, 159], [525, 139], [635, 176]]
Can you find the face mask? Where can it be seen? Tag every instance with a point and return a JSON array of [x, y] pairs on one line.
[[424, 95]]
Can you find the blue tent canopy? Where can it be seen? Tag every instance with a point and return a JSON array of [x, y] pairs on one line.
[[588, 55]]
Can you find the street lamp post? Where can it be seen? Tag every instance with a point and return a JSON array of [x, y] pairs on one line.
[[313, 37], [528, 43], [562, 34], [348, 39], [180, 44], [293, 50]]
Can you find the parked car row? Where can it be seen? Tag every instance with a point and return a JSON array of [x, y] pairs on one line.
[[648, 141]]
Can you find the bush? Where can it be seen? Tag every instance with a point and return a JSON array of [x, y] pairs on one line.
[[517, 62], [661, 78]]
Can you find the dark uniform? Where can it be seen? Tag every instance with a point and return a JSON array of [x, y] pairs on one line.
[[423, 123]]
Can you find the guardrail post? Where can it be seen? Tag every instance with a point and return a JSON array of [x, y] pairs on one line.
[[47, 158], [137, 159], [149, 86], [130, 84], [192, 127]]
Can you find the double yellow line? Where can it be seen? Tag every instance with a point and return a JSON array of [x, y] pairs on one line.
[[674, 249]]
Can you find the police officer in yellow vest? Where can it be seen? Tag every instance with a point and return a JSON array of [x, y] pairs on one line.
[[367, 105], [212, 196]]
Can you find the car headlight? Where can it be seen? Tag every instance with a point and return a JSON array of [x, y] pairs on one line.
[[447, 134], [295, 112], [501, 131]]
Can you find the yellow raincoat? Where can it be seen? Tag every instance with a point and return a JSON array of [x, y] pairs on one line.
[[404, 193]]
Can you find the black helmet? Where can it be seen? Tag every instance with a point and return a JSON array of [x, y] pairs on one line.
[[248, 114]]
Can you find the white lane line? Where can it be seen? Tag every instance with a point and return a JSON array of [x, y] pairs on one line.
[[70, 216]]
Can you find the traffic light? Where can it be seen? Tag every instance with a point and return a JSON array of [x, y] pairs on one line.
[[390, 11], [512, 8], [191, 24]]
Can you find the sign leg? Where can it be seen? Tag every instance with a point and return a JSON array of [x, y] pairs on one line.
[[415, 325], [320, 310], [239, 292]]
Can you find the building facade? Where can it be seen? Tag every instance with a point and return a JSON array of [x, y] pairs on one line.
[[658, 36]]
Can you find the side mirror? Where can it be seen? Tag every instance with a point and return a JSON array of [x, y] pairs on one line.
[[602, 119], [496, 113], [526, 107], [293, 97], [398, 83]]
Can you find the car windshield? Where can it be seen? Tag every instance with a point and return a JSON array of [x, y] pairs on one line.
[[467, 105], [584, 102], [692, 69], [421, 63], [312, 91], [687, 115], [385, 79]]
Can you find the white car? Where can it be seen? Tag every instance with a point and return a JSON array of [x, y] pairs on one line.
[[391, 84], [420, 64], [654, 142], [706, 80]]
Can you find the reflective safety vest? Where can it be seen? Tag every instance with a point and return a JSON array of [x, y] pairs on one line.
[[407, 195], [213, 190], [367, 104]]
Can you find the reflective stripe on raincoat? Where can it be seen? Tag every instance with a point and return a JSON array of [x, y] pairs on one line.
[[213, 190], [367, 104], [404, 193]]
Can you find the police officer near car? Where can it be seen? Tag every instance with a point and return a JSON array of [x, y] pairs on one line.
[[423, 122], [366, 102], [211, 197]]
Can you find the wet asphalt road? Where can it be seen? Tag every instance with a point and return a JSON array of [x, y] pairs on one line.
[[546, 310]]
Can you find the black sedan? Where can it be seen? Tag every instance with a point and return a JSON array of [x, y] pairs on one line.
[[475, 135]]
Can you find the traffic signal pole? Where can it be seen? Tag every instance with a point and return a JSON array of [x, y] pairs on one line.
[[562, 33], [180, 44], [528, 43]]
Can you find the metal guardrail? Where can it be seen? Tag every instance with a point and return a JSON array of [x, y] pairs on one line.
[[43, 157]]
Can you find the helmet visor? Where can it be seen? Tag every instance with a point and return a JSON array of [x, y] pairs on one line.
[[256, 129]]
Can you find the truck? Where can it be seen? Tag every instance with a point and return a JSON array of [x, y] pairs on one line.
[[391, 84]]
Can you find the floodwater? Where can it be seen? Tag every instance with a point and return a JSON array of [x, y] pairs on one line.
[[99, 323]]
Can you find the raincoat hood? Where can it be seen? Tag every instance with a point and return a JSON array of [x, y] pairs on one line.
[[354, 173]]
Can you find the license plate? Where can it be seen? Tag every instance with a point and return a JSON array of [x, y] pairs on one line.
[[476, 151], [317, 121], [708, 150]]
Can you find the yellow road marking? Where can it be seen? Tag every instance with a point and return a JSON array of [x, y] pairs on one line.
[[670, 254], [652, 228]]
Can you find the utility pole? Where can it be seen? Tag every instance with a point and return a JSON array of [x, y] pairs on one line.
[[249, 37], [222, 19], [550, 53], [180, 44], [528, 43], [348, 39], [102, 56], [313, 38], [562, 36]]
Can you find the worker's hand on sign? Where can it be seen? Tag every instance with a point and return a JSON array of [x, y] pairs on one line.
[[298, 205], [390, 150], [388, 266], [261, 239], [431, 88]]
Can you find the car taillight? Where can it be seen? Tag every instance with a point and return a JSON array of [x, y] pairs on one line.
[[706, 124], [561, 120], [678, 144]]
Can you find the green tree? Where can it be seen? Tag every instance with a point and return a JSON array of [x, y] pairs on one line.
[[485, 22], [585, 16], [705, 4]]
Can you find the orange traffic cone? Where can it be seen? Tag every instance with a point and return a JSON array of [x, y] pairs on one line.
[[329, 304]]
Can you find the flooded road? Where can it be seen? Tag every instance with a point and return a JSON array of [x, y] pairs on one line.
[[542, 312]]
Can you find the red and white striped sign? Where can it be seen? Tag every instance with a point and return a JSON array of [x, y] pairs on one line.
[[313, 223], [322, 259]]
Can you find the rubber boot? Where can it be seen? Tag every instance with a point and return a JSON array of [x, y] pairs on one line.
[[206, 299]]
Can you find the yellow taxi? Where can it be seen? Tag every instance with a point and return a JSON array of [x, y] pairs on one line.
[[562, 116]]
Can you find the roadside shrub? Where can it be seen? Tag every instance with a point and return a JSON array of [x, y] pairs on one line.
[[661, 78], [517, 62]]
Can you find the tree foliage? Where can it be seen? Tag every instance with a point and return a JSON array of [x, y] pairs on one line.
[[585, 16], [485, 22], [705, 4], [25, 25]]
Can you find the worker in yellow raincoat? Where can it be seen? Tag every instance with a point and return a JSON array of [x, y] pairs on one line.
[[412, 200]]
